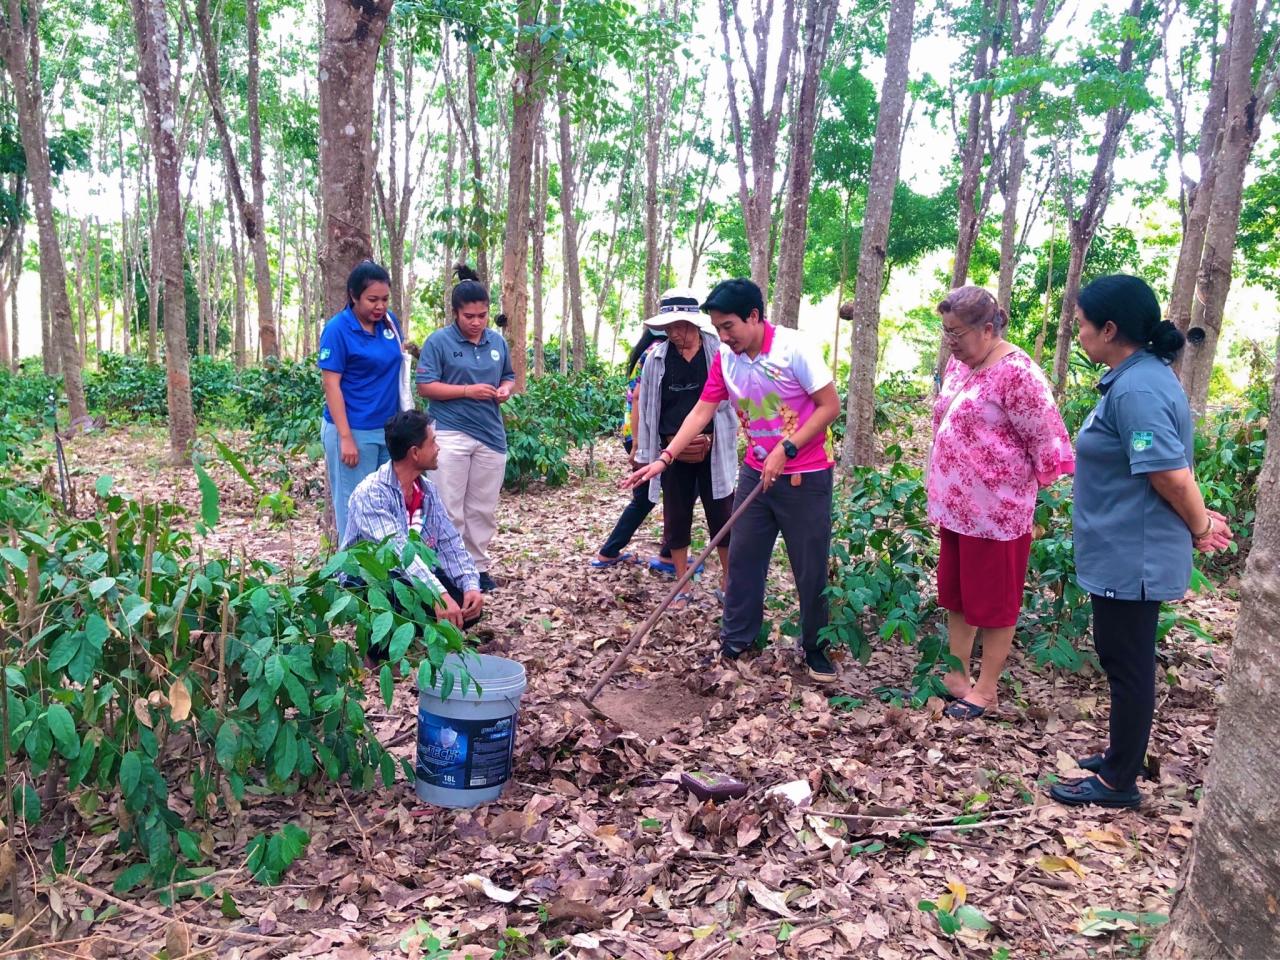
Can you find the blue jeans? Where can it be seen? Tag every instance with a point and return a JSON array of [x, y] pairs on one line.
[[372, 446]]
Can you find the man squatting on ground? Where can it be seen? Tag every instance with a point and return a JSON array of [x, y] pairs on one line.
[[397, 497], [785, 399]]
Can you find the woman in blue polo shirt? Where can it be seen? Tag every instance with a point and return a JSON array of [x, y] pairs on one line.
[[360, 356], [1137, 515], [465, 373]]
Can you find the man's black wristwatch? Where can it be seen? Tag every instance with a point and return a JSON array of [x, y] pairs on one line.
[[789, 449]]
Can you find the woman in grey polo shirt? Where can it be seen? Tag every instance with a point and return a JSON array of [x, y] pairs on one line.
[[1138, 513], [465, 373]]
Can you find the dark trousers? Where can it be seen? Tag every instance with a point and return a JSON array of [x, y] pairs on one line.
[[802, 514], [1124, 634], [632, 516], [682, 484]]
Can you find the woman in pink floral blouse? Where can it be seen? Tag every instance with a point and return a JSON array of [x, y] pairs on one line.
[[997, 438]]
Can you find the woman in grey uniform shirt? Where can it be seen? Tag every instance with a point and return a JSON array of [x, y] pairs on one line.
[[1138, 513]]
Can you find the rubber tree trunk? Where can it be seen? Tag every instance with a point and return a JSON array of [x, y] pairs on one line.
[[155, 80], [526, 102], [819, 19], [1241, 128], [572, 270], [540, 174], [268, 335], [21, 46], [1085, 221], [764, 115], [860, 437], [348, 58], [1226, 906], [1200, 197]]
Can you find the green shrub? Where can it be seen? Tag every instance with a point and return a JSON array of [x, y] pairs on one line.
[[554, 414], [281, 401], [137, 669], [130, 387], [882, 554]]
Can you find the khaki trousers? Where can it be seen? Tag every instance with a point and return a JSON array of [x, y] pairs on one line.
[[469, 478]]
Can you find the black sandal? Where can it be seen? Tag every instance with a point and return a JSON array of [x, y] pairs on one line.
[[964, 710]]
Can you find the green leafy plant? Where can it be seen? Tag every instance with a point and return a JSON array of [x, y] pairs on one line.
[[137, 666], [268, 857]]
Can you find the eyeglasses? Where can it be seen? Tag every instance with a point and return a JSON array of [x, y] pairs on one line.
[[954, 335]]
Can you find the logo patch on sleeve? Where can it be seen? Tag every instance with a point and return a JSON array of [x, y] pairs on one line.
[[1140, 440], [324, 354]]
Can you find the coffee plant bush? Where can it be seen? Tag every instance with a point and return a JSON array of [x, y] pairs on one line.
[[154, 687], [553, 415]]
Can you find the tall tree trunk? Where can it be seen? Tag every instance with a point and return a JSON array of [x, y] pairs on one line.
[[82, 314], [572, 271], [238, 346], [155, 80], [1084, 223], [526, 102], [540, 174], [1226, 907], [97, 286], [1246, 105], [1200, 197], [268, 335], [15, 346], [348, 59], [1026, 44], [250, 212], [860, 437], [819, 19], [20, 45], [657, 100], [755, 190], [479, 219]]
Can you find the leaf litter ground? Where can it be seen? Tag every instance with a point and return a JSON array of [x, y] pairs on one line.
[[595, 851]]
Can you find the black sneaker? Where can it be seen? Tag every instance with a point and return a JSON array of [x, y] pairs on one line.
[[821, 669], [487, 583]]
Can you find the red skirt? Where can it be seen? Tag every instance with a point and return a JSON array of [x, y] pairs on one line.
[[983, 579]]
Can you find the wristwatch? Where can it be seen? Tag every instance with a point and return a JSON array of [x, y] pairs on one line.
[[789, 449]]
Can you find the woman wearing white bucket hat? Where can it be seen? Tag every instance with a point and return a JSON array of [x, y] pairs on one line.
[[673, 378]]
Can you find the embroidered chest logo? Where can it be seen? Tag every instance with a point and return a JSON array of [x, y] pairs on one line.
[[1140, 440], [494, 355], [389, 333]]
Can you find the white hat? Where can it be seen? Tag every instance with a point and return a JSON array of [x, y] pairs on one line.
[[679, 303]]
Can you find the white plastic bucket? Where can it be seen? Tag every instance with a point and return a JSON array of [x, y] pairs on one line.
[[466, 740]]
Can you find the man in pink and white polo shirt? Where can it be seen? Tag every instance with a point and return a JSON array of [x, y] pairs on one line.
[[785, 400]]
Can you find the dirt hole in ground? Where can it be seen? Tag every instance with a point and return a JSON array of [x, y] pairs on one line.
[[653, 708]]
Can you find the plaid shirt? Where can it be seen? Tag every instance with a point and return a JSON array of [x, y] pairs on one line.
[[377, 511]]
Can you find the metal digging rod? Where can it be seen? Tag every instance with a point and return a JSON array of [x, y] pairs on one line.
[[645, 627]]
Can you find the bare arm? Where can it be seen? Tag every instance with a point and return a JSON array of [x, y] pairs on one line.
[[439, 390], [702, 413], [338, 411], [1180, 490]]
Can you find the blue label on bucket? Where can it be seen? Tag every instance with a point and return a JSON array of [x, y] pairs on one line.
[[464, 754]]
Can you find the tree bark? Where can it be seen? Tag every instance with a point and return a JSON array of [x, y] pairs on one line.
[[1083, 224], [526, 111], [268, 335], [657, 100], [1226, 906], [540, 164], [348, 58], [1246, 104], [819, 19], [1026, 45], [20, 46], [860, 437], [155, 81], [755, 191], [572, 270]]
